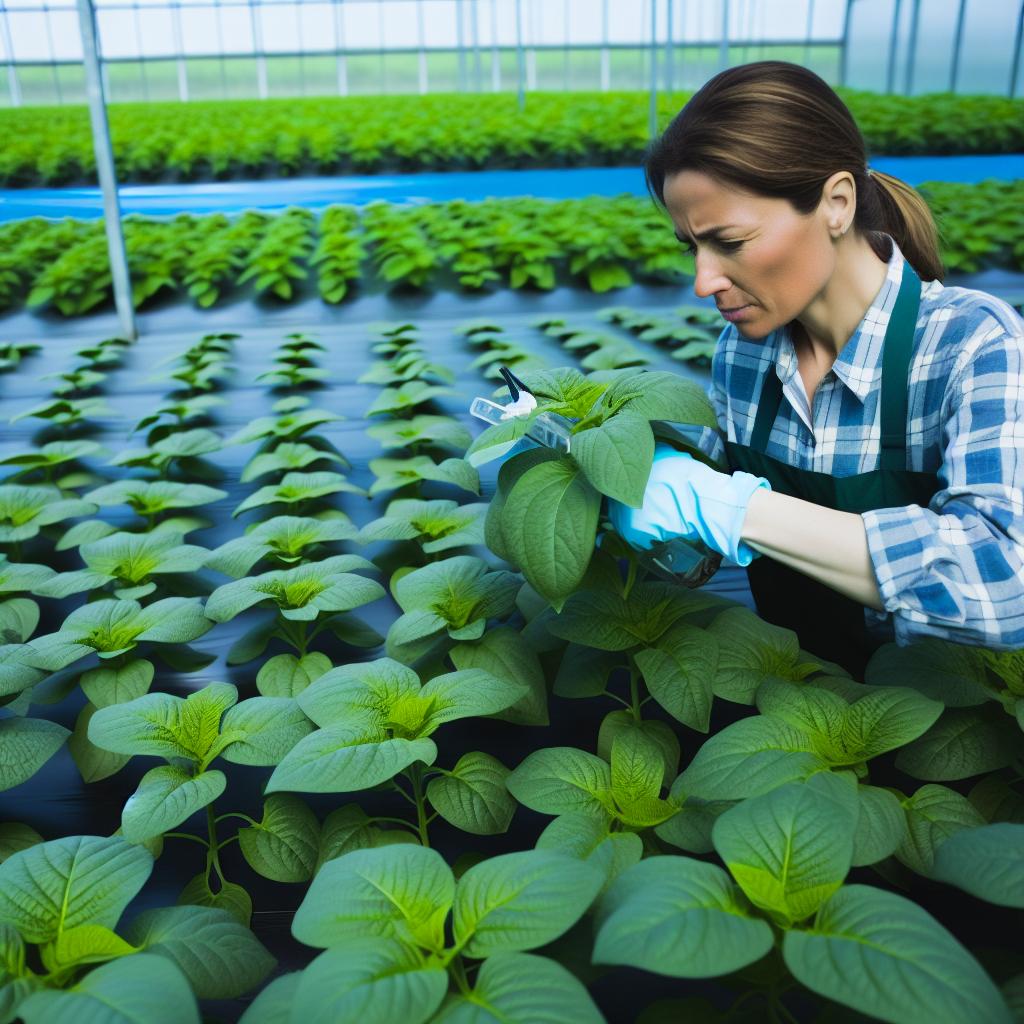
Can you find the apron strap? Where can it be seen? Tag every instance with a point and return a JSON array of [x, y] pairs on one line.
[[896, 353]]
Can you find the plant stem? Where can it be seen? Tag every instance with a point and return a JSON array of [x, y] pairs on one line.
[[398, 788], [185, 835], [211, 856], [615, 696], [459, 973], [634, 689], [630, 578], [416, 776], [237, 814], [397, 821]]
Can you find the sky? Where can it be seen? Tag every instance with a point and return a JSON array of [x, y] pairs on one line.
[[311, 26]]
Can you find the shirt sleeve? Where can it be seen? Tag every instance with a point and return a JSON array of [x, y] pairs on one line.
[[955, 570]]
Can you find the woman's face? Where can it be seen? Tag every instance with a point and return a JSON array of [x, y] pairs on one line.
[[767, 257]]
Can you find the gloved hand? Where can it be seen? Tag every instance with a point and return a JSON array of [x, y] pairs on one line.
[[685, 498]]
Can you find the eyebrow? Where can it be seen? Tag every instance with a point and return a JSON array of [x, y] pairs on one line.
[[711, 232]]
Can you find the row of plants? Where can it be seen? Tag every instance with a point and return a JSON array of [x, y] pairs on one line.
[[369, 134], [765, 853], [601, 244]]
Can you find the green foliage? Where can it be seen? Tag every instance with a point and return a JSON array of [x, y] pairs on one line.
[[522, 242], [363, 134]]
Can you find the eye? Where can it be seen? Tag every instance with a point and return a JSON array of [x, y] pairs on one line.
[[728, 246]]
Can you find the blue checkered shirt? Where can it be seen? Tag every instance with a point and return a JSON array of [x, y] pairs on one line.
[[955, 569]]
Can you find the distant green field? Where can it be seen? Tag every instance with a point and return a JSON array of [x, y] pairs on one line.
[[317, 75]]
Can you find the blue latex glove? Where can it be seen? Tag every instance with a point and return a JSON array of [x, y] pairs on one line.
[[685, 498]]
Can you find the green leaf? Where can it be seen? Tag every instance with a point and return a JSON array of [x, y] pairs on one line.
[[359, 692], [166, 797], [587, 837], [519, 988], [680, 671], [162, 725], [15, 836], [518, 901], [285, 675], [376, 983], [106, 686], [348, 828], [750, 757], [221, 958], [273, 1003], [962, 743], [881, 825], [549, 525], [882, 955], [951, 673], [64, 883], [665, 741], [790, 849], [139, 989], [86, 943], [229, 897], [558, 780], [504, 653], [26, 744], [403, 891], [750, 651], [473, 796], [285, 845], [342, 759], [933, 814], [616, 456], [266, 729], [93, 762], [986, 861], [468, 692], [679, 917]]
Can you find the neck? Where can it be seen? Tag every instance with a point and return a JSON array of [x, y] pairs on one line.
[[831, 318]]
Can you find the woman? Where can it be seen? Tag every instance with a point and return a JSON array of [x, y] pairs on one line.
[[873, 422]]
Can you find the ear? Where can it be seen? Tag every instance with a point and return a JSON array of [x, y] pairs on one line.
[[838, 201]]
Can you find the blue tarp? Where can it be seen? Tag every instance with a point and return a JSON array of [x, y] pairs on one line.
[[318, 193]]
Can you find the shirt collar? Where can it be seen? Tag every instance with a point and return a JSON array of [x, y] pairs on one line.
[[859, 363]]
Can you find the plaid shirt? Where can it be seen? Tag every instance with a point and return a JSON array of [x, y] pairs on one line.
[[955, 569]]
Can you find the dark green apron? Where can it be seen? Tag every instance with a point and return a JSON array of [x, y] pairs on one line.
[[827, 623]]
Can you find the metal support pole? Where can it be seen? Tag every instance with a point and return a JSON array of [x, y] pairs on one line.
[[179, 49], [460, 42], [339, 31], [810, 29], [606, 76], [669, 52], [652, 125], [1016, 51], [424, 82], [957, 40], [894, 38], [478, 85], [520, 60], [723, 46], [105, 170], [495, 53], [908, 83], [565, 48], [12, 75], [844, 51], [261, 61]]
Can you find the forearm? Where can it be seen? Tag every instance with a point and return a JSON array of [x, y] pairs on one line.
[[823, 543]]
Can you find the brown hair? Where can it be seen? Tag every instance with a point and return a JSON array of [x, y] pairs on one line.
[[777, 129]]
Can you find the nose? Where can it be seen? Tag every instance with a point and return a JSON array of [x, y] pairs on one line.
[[710, 279]]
